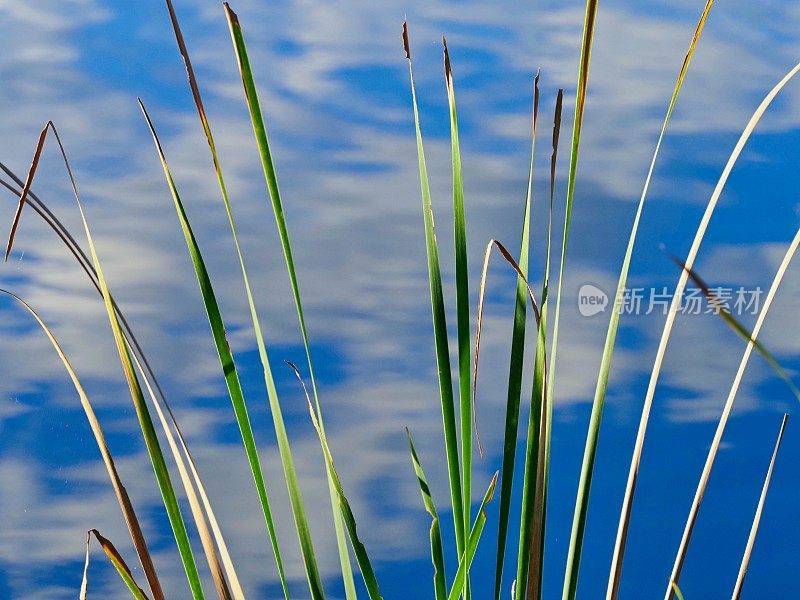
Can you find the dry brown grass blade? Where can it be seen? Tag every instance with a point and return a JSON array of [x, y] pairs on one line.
[[210, 551], [40, 208], [128, 512], [26, 188], [119, 564], [148, 376], [751, 539], [481, 296]]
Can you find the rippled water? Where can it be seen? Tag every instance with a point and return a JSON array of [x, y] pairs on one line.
[[333, 82]]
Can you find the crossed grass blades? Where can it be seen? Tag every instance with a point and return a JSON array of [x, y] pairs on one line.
[[525, 580]]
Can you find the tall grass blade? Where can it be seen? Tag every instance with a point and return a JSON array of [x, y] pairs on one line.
[[515, 368], [726, 411], [142, 412], [751, 539], [119, 564], [439, 322], [472, 542], [367, 572], [148, 375], [570, 576], [546, 410], [224, 353], [577, 126], [437, 554], [26, 188], [260, 131], [466, 413], [287, 460], [590, 448], [633, 473], [530, 553], [128, 512]]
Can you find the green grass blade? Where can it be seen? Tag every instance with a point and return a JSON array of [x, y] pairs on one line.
[[466, 413], [627, 502], [530, 554], [116, 560], [142, 412], [577, 126], [540, 365], [287, 460], [367, 572], [751, 539], [529, 557], [225, 355], [128, 512], [260, 131], [680, 556], [677, 590], [439, 322], [515, 368], [437, 554], [472, 542], [590, 448], [570, 577]]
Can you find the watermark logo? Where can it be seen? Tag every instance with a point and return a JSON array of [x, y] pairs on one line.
[[591, 300], [645, 301]]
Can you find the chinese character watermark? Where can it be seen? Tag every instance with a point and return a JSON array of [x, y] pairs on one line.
[[694, 301]]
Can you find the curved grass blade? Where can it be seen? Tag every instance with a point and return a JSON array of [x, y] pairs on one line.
[[437, 554], [147, 374], [260, 131], [26, 188], [726, 411], [482, 294], [142, 412], [507, 256], [224, 353], [128, 512], [633, 473], [287, 461], [590, 448], [737, 590], [119, 564], [466, 413], [677, 590], [530, 553], [360, 551], [515, 367], [439, 321], [472, 542]]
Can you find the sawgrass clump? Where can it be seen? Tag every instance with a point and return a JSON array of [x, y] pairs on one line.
[[523, 576]]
